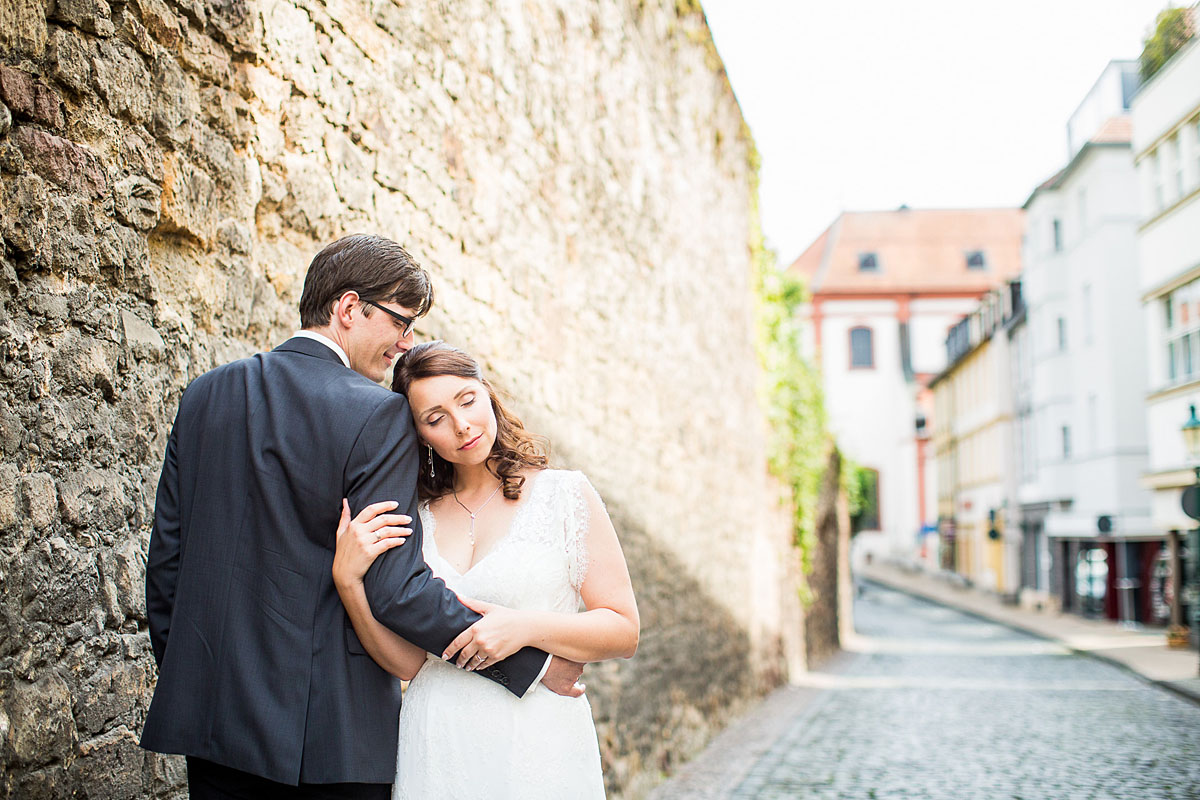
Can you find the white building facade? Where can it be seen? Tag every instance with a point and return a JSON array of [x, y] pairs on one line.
[[1080, 374], [1166, 146]]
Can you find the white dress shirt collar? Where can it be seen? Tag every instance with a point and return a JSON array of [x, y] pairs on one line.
[[325, 340]]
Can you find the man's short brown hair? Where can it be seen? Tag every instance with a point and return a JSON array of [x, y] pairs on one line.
[[378, 269]]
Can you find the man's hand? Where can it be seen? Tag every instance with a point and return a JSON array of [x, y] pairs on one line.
[[562, 677]]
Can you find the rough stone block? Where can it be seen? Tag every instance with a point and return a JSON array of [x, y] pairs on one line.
[[71, 166], [161, 22], [110, 697], [237, 23], [8, 495], [39, 500], [93, 16], [94, 501], [72, 229], [125, 567], [23, 28], [41, 728], [136, 201], [29, 97], [206, 57], [26, 210], [130, 29], [60, 585], [70, 56], [123, 80], [176, 102], [140, 336], [111, 766], [188, 204]]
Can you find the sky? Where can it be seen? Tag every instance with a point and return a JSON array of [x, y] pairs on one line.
[[869, 104]]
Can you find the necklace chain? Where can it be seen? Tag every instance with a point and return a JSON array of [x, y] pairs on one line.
[[473, 514]]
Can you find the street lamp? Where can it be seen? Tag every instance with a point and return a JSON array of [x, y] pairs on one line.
[[1176, 633], [1191, 439]]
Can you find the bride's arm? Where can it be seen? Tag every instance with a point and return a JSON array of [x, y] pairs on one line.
[[359, 543], [608, 629]]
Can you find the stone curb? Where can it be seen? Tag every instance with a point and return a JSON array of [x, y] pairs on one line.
[[1183, 691]]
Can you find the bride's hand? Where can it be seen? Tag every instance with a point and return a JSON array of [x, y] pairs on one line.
[[361, 540], [500, 633]]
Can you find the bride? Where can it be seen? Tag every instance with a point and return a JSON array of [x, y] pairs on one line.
[[522, 545]]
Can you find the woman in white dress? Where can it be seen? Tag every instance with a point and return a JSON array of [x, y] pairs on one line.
[[523, 545]]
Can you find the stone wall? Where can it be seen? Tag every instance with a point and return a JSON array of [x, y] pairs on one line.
[[823, 623], [575, 175]]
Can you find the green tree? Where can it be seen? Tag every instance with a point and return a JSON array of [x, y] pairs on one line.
[[1172, 29]]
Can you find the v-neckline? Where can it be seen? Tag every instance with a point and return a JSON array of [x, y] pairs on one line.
[[531, 484]]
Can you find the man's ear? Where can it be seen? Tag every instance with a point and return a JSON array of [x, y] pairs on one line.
[[343, 309]]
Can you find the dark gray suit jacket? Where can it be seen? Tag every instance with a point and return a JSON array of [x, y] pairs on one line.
[[259, 668]]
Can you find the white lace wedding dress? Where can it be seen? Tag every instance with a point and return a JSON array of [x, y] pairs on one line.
[[464, 736]]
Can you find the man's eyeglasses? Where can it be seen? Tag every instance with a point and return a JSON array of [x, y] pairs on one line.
[[406, 322]]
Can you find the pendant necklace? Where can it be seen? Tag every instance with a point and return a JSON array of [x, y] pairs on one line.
[[473, 514]]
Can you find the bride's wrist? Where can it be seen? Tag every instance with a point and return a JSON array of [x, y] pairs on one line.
[[346, 584]]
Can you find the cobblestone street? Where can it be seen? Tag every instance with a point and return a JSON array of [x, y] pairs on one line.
[[938, 704]]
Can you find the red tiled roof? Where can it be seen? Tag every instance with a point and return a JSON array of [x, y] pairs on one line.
[[916, 250], [1117, 130]]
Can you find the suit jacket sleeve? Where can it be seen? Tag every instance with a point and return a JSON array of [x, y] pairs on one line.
[[162, 563], [402, 592]]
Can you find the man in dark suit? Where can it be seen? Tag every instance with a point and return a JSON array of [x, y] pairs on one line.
[[262, 681]]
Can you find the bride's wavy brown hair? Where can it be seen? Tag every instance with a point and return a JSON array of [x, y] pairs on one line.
[[514, 449]]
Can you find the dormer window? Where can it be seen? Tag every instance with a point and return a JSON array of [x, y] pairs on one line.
[[976, 260], [868, 262]]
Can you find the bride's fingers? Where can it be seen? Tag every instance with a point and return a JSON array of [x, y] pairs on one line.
[[375, 509], [385, 520], [460, 642], [391, 533], [478, 606], [377, 548], [344, 520]]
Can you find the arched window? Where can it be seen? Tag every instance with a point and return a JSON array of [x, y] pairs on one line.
[[862, 349]]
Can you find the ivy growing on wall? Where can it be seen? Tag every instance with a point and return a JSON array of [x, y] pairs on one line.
[[791, 390]]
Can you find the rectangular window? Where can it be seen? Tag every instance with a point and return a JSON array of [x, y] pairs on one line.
[[1062, 334], [975, 260], [862, 354], [1156, 176], [1172, 371], [1066, 442], [868, 262], [1169, 306], [1093, 422], [1087, 314], [1177, 162], [1186, 348], [1058, 236]]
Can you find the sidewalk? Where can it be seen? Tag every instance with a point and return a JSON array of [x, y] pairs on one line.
[[1142, 652]]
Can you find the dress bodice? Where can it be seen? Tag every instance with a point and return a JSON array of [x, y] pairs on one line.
[[540, 563]]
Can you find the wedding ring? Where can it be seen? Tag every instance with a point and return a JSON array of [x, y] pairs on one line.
[[378, 535], [481, 658]]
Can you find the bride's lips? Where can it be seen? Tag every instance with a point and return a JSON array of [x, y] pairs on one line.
[[471, 443]]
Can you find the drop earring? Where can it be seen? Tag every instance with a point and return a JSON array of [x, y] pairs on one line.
[[430, 448]]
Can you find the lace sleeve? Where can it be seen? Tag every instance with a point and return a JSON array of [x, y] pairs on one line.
[[585, 512]]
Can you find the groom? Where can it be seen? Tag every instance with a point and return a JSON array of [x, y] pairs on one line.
[[263, 684]]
